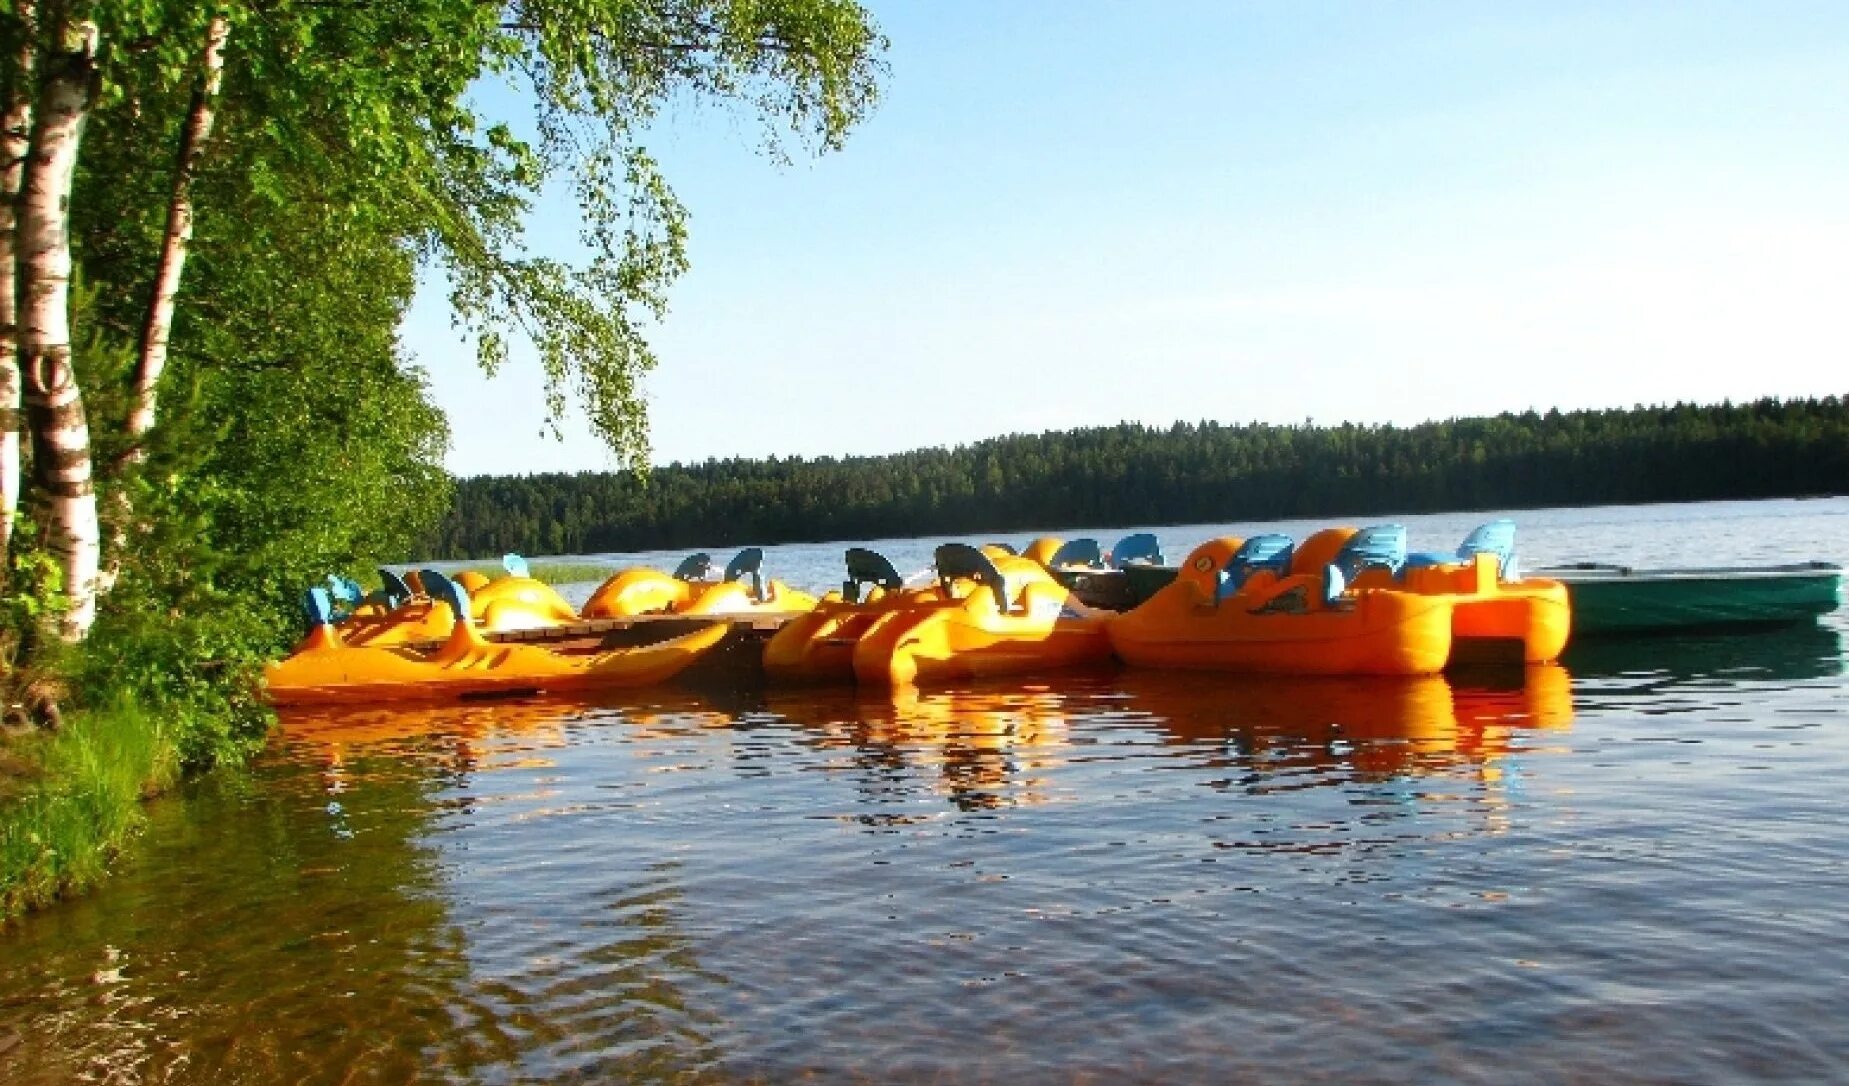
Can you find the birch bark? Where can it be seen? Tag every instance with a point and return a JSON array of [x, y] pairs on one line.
[[157, 330], [54, 403], [15, 136]]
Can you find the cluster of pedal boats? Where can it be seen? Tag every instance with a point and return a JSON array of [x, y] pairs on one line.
[[1343, 601]]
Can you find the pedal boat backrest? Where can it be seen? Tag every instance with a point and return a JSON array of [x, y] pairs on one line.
[[1270, 551], [441, 589], [961, 561], [694, 567], [748, 563], [1081, 553], [867, 567], [344, 590], [396, 590], [1496, 538], [318, 607], [1140, 549], [515, 565], [1381, 546], [464, 637], [344, 595]]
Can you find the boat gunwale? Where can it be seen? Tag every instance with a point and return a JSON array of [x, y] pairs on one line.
[[1604, 573]]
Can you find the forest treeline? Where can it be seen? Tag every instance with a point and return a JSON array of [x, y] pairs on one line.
[[1132, 474]]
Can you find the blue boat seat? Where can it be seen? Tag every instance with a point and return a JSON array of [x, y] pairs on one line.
[[694, 567], [868, 567], [960, 560], [1083, 551], [344, 591], [748, 563], [395, 590], [1496, 537], [318, 607], [1139, 549], [1269, 551], [344, 595], [1335, 583], [1382, 545], [1418, 559], [443, 590], [515, 565]]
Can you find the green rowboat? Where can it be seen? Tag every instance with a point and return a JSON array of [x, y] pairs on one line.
[[1610, 599]]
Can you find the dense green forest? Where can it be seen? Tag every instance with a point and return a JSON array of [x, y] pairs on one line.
[[1133, 474]]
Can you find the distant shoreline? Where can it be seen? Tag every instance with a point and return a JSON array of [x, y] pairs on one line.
[[1133, 475]]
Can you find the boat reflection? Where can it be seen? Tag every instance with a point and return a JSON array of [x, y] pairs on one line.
[[1775, 654], [990, 746], [459, 740], [313, 904], [1277, 729]]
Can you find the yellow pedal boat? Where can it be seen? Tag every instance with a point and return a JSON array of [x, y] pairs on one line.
[[818, 646], [1259, 605], [995, 614], [1498, 613], [401, 613], [1099, 578], [325, 668], [1497, 616], [688, 591]]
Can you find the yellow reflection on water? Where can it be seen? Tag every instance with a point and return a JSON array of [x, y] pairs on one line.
[[1371, 727], [989, 747]]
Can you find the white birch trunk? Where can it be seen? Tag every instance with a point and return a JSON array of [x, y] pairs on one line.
[[157, 330], [54, 403], [15, 137]]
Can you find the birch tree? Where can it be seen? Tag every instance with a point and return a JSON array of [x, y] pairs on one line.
[[353, 124], [53, 400], [157, 329], [15, 136]]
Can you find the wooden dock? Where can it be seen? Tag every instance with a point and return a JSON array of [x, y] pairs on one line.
[[644, 629], [736, 661]]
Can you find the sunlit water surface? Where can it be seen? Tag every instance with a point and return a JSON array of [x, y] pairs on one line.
[[1634, 868]]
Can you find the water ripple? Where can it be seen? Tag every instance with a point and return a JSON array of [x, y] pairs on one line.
[[1631, 874]]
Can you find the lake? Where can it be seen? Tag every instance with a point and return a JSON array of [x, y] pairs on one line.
[[1631, 868]]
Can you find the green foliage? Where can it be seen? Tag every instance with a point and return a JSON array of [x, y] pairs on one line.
[[294, 438], [34, 659], [31, 597], [596, 72], [1187, 473]]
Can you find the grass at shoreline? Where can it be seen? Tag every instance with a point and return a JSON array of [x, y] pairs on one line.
[[75, 799], [70, 799]]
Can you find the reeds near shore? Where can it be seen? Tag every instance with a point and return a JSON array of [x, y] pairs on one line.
[[73, 797]]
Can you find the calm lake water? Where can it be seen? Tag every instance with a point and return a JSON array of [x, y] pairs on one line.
[[1632, 868]]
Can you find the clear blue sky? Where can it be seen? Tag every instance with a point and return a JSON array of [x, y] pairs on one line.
[[1074, 213]]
